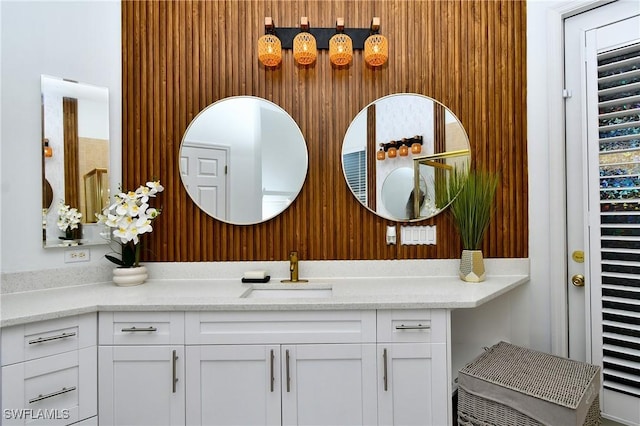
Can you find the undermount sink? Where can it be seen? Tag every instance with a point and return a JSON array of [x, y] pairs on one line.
[[287, 291]]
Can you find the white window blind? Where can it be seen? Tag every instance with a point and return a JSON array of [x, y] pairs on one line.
[[355, 170], [619, 168]]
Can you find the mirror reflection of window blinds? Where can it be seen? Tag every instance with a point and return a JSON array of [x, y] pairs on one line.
[[355, 169], [619, 155]]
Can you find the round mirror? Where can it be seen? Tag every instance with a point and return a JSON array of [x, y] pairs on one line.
[[398, 194], [243, 160], [401, 145]]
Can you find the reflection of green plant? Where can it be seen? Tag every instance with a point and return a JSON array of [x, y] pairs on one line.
[[473, 205], [442, 196]]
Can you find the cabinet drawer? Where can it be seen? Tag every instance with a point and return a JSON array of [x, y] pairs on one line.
[[36, 340], [141, 328], [412, 325], [272, 327], [55, 390]]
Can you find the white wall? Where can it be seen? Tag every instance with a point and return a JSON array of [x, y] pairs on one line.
[[79, 40], [545, 117]]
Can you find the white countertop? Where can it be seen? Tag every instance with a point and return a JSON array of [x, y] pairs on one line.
[[447, 292]]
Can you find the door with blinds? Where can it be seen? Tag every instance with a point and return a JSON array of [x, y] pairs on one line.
[[602, 123], [612, 77], [612, 81]]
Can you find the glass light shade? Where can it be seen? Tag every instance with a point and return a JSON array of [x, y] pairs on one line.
[[340, 49], [416, 148], [403, 151], [392, 152], [376, 50], [380, 155], [269, 50], [304, 48]]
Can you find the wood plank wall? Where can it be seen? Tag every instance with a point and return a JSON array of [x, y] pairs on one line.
[[180, 56]]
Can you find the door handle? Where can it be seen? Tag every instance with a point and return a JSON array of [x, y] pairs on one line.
[[271, 360], [577, 280], [287, 369], [384, 365], [174, 381]]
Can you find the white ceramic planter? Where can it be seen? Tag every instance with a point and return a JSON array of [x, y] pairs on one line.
[[130, 276]]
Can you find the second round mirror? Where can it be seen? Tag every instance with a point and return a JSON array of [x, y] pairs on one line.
[[401, 145], [243, 160]]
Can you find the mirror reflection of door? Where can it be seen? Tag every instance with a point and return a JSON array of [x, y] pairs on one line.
[[203, 168], [75, 135], [265, 164]]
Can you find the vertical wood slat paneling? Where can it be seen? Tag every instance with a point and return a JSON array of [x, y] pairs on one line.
[[71, 148], [179, 57]]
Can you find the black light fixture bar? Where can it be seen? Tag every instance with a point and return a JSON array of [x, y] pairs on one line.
[[322, 35]]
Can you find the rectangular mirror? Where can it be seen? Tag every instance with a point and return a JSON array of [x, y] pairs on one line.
[[75, 161]]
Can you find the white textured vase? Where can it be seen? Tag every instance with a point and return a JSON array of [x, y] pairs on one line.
[[472, 266], [125, 277]]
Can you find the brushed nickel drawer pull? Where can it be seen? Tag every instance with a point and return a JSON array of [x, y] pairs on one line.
[[135, 329], [271, 361], [413, 327], [48, 339], [384, 364], [287, 368], [51, 395], [175, 378]]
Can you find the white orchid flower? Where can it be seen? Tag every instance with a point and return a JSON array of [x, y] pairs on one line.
[[155, 187], [143, 225], [152, 213], [130, 214]]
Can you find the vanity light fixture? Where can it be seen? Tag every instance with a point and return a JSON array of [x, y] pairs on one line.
[[376, 46], [269, 46], [400, 148], [304, 44], [48, 151], [340, 46]]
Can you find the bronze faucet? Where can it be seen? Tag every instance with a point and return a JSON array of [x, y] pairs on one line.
[[293, 269]]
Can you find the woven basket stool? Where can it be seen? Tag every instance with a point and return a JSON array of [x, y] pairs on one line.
[[510, 385]]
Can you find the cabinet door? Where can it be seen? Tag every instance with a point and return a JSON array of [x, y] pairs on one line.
[[54, 390], [412, 385], [141, 385], [330, 384], [233, 385]]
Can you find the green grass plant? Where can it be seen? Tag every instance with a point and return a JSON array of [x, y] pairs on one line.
[[473, 206]]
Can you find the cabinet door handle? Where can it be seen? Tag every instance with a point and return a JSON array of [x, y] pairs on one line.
[[271, 361], [384, 368], [287, 368], [50, 338], [174, 380], [52, 394], [413, 327], [136, 329]]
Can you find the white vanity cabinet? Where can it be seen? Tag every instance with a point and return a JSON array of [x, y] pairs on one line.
[[355, 367], [329, 384], [233, 384], [49, 371], [414, 386], [272, 368], [141, 368]]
